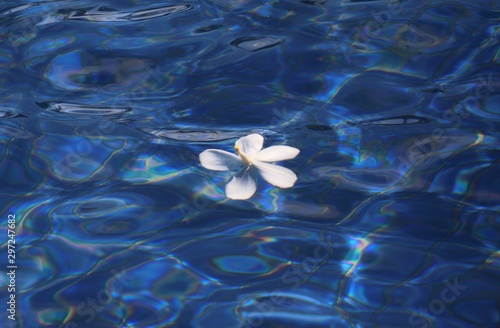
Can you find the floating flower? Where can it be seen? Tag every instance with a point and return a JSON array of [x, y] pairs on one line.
[[251, 160]]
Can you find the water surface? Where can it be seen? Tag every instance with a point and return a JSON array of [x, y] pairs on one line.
[[394, 219]]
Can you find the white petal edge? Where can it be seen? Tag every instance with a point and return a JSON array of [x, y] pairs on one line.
[[219, 160], [276, 153], [250, 144], [276, 175], [242, 185]]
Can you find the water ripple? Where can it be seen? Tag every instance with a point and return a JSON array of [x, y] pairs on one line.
[[100, 14], [80, 109]]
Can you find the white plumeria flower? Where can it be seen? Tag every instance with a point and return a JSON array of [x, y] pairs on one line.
[[254, 160]]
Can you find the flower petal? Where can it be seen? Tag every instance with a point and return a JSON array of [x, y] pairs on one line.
[[276, 175], [251, 143], [219, 160], [242, 185], [276, 153]]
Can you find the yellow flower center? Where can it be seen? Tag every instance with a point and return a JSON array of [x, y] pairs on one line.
[[243, 156]]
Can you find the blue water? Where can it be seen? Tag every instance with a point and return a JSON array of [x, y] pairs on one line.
[[394, 220]]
